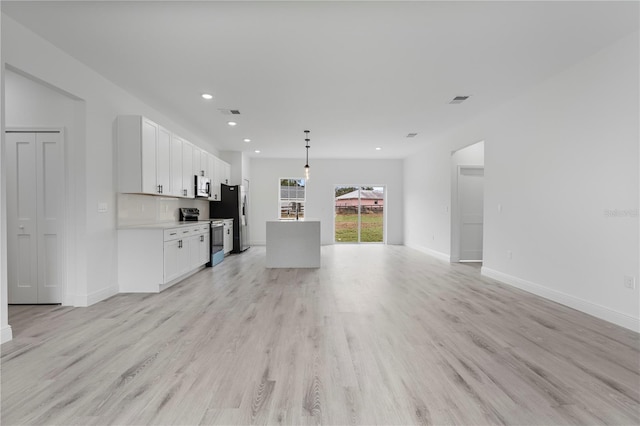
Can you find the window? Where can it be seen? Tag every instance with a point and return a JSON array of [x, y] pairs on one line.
[[292, 198]]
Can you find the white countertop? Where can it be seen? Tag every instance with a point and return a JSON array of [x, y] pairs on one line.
[[170, 225], [309, 219]]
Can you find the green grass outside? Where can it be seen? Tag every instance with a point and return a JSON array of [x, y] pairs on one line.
[[371, 228]]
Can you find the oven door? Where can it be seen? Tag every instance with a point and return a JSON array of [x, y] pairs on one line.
[[217, 241]]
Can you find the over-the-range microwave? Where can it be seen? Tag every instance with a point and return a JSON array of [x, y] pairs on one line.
[[203, 186]]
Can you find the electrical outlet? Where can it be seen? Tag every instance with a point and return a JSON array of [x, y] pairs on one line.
[[630, 282]]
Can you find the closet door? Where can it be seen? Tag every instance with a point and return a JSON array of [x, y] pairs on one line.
[[34, 202], [22, 223]]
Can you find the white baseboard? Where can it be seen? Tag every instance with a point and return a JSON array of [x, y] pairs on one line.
[[433, 253], [6, 334], [95, 297], [598, 311]]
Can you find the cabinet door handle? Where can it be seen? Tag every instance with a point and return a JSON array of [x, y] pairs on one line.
[[173, 233], [180, 244], [201, 238], [159, 189], [184, 192]]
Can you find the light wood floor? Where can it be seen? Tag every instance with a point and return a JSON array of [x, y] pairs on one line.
[[378, 335]]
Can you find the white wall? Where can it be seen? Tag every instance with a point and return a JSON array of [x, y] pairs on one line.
[[556, 159], [97, 102], [325, 174]]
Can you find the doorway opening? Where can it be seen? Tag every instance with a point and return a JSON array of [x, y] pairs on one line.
[[359, 214], [467, 199]]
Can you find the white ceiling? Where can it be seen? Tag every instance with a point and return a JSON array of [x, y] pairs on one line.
[[359, 75]]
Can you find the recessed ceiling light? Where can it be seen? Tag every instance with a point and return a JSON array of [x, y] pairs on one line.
[[257, 151], [231, 123], [207, 96], [378, 148], [247, 140]]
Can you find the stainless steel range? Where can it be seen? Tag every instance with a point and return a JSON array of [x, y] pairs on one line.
[[216, 233]]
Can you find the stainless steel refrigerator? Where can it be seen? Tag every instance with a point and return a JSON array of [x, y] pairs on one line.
[[233, 205]]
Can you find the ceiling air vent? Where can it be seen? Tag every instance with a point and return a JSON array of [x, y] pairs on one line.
[[412, 135], [225, 111], [459, 99]]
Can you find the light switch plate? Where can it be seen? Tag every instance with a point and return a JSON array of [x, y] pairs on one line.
[[102, 207]]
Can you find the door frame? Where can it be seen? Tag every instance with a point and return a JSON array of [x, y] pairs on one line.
[[384, 214], [456, 217], [62, 193]]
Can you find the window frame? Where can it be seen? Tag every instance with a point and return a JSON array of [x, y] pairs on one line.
[[301, 183]]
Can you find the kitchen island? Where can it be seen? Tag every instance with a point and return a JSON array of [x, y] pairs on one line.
[[293, 243]]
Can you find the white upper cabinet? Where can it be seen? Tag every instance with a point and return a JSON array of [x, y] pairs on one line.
[[223, 171], [215, 189], [152, 160], [221, 175], [188, 182], [143, 156], [163, 161], [204, 164], [176, 167], [225, 176], [148, 143], [197, 161]]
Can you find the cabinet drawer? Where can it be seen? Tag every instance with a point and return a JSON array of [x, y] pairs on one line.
[[178, 233], [185, 231], [200, 229], [172, 234]]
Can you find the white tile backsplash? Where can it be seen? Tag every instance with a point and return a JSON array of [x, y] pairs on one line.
[[138, 209]]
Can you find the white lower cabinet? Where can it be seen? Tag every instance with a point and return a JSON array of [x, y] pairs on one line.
[[152, 259], [203, 249], [171, 261]]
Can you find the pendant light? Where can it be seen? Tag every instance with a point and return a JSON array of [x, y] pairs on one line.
[[306, 166]]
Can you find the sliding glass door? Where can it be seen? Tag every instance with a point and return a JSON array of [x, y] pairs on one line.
[[359, 214]]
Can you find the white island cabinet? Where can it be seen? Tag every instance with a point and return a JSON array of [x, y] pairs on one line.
[[293, 243], [154, 257]]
